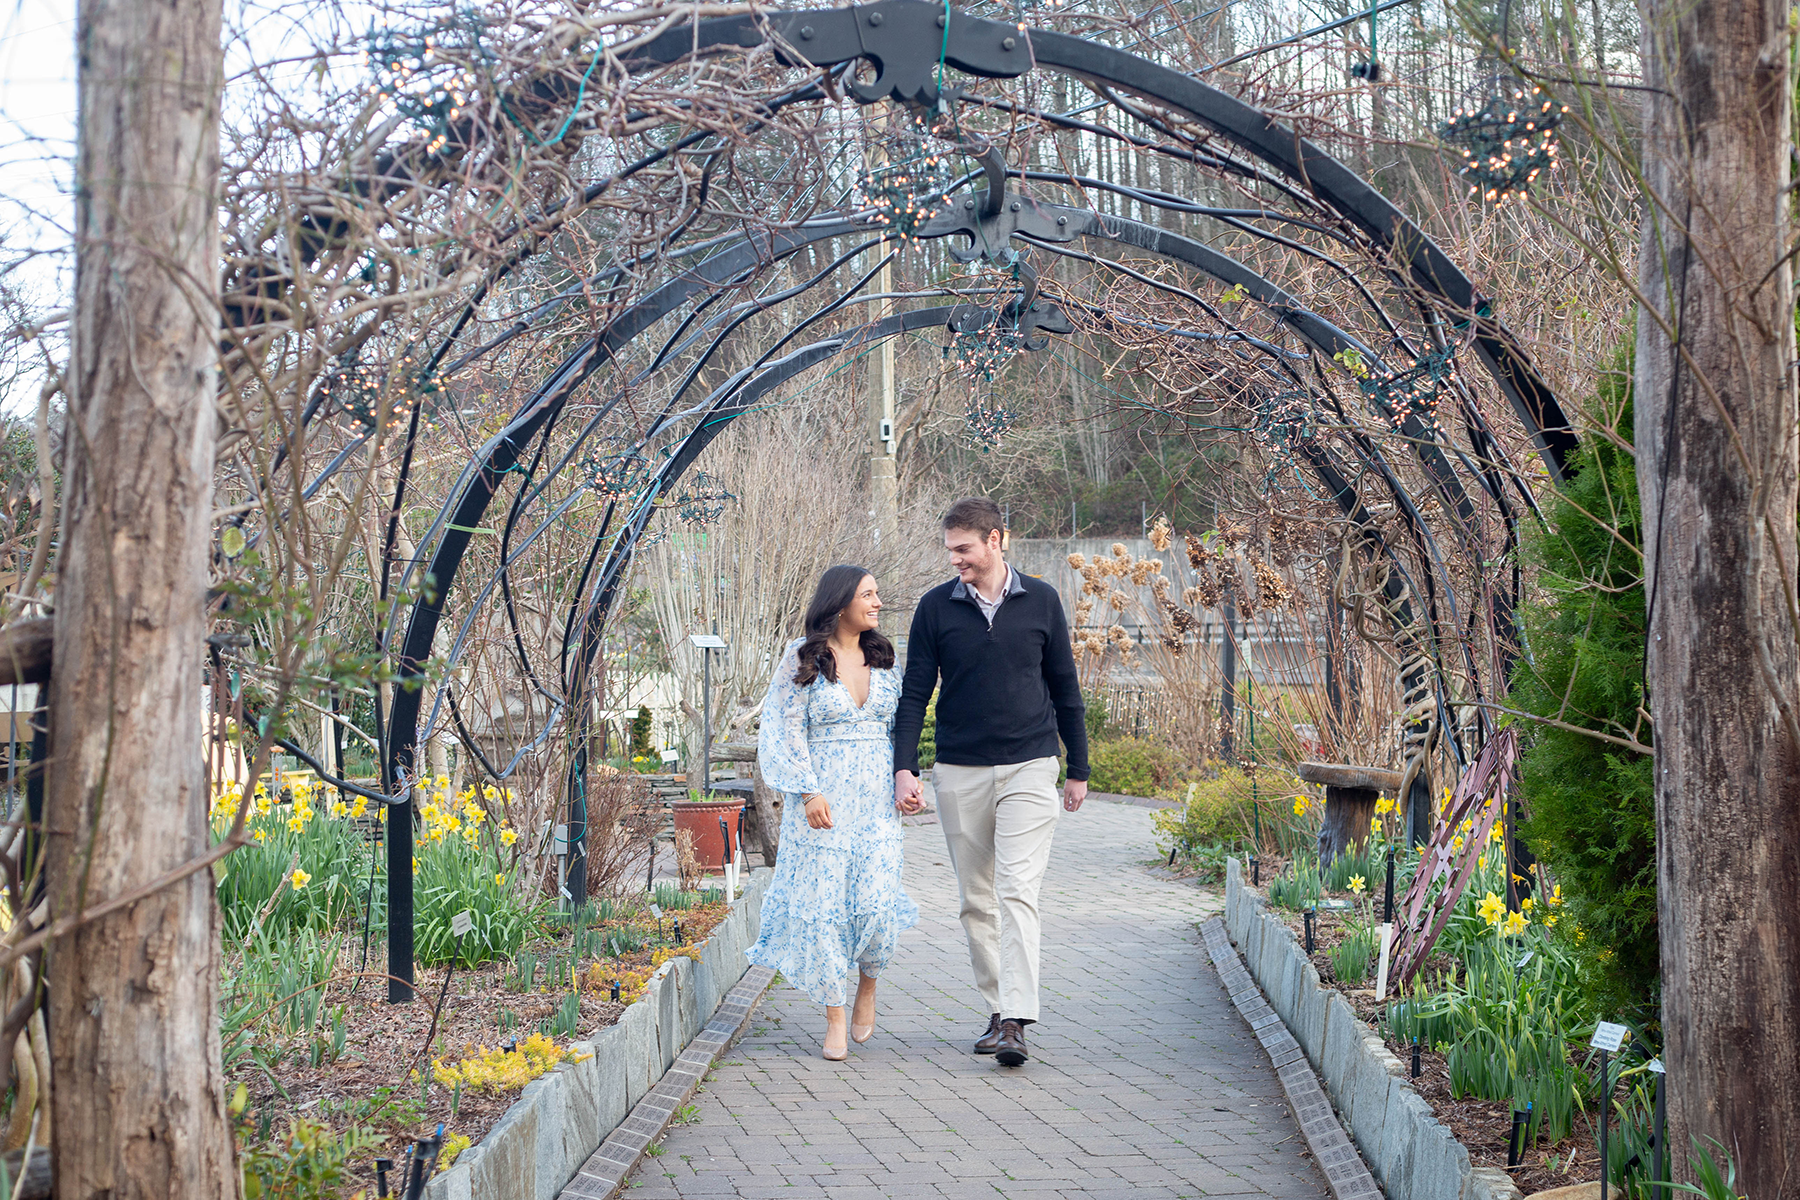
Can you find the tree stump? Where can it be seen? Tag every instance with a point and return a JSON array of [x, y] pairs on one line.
[[1350, 796]]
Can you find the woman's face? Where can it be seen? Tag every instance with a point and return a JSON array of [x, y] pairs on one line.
[[864, 610]]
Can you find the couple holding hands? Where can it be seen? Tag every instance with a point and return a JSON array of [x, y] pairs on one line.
[[840, 737]]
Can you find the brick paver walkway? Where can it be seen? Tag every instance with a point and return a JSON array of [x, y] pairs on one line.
[[1144, 1081]]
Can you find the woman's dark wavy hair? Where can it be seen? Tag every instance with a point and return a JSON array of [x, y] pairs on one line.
[[837, 588]]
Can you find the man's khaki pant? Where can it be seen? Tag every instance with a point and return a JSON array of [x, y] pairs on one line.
[[998, 823]]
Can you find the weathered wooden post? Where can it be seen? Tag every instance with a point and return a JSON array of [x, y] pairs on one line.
[[1350, 796]]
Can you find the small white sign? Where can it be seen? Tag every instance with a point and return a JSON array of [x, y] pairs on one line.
[[670, 756], [1654, 1066], [707, 641], [1609, 1037], [1524, 958], [463, 922], [656, 912]]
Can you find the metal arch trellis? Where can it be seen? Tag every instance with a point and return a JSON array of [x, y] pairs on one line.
[[887, 36]]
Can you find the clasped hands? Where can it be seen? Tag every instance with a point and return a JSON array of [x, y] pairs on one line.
[[909, 793]]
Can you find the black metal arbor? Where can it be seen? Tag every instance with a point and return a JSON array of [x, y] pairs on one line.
[[1432, 345]]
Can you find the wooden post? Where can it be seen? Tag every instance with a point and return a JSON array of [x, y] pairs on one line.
[[1350, 796]]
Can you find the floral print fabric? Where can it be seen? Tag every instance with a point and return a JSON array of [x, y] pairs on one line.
[[836, 899]]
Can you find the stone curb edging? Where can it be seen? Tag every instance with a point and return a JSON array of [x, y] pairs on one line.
[[602, 1174], [1411, 1154], [561, 1118], [1345, 1172]]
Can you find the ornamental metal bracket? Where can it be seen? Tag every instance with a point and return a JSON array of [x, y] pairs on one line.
[[907, 43], [990, 224]]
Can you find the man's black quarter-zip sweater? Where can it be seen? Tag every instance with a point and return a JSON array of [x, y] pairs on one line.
[[1008, 688]]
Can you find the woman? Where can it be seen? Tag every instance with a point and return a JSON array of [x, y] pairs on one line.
[[827, 745]]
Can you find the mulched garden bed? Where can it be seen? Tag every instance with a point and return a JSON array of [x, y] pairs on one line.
[[382, 1077], [1483, 1126]]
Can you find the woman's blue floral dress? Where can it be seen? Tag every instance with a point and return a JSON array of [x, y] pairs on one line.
[[836, 898]]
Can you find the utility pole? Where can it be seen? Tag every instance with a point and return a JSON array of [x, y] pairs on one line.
[[884, 484]]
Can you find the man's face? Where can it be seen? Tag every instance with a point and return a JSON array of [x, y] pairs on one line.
[[971, 555]]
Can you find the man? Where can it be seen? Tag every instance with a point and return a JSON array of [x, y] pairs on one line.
[[1000, 643]]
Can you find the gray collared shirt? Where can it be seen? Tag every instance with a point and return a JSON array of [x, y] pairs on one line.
[[990, 607]]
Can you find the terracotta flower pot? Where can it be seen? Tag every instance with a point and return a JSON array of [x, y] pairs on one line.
[[701, 819]]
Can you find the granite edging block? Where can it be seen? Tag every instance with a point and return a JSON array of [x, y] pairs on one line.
[[1412, 1154], [563, 1118]]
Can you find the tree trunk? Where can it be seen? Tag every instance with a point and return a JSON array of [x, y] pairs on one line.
[[1717, 468], [134, 994]]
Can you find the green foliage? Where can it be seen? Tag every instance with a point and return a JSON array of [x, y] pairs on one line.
[[1591, 805], [1297, 887], [455, 874], [640, 733], [1506, 1028], [670, 898], [1350, 957], [1099, 727], [307, 1162], [1213, 811], [1132, 766], [928, 736], [331, 852], [283, 978]]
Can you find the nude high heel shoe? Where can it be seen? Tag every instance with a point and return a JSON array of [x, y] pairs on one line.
[[830, 1053], [862, 1033]]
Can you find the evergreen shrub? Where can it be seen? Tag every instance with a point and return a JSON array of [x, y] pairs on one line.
[[1590, 805]]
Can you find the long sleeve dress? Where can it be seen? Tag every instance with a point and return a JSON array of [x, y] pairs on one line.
[[836, 898]]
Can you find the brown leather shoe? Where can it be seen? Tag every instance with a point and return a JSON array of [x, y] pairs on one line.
[[1011, 1051], [989, 1042]]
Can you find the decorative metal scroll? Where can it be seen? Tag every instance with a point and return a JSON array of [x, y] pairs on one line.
[[1480, 797]]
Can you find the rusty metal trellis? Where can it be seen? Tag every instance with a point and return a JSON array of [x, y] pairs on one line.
[[1480, 798]]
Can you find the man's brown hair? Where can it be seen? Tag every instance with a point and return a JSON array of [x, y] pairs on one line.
[[977, 514]]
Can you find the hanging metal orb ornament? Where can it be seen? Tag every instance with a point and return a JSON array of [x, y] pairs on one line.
[[1414, 392], [702, 502], [907, 189], [615, 477], [358, 392], [982, 354], [1506, 143], [424, 71], [988, 421]]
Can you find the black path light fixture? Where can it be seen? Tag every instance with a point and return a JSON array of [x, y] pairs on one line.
[[906, 46]]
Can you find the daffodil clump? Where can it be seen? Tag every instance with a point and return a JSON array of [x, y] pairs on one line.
[[303, 859], [464, 856], [503, 1070]]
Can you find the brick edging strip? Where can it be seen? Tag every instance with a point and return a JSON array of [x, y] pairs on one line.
[[1345, 1172], [607, 1168]]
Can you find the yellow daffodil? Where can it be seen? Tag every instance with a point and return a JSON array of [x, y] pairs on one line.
[[1491, 908], [260, 835], [500, 878], [1468, 825], [1300, 806], [1375, 825], [1495, 833], [1516, 923], [299, 879], [1456, 844], [1550, 920], [508, 837], [359, 806], [415, 864], [1555, 899], [1525, 904], [1358, 884], [1383, 806], [296, 824], [339, 808], [1482, 862]]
